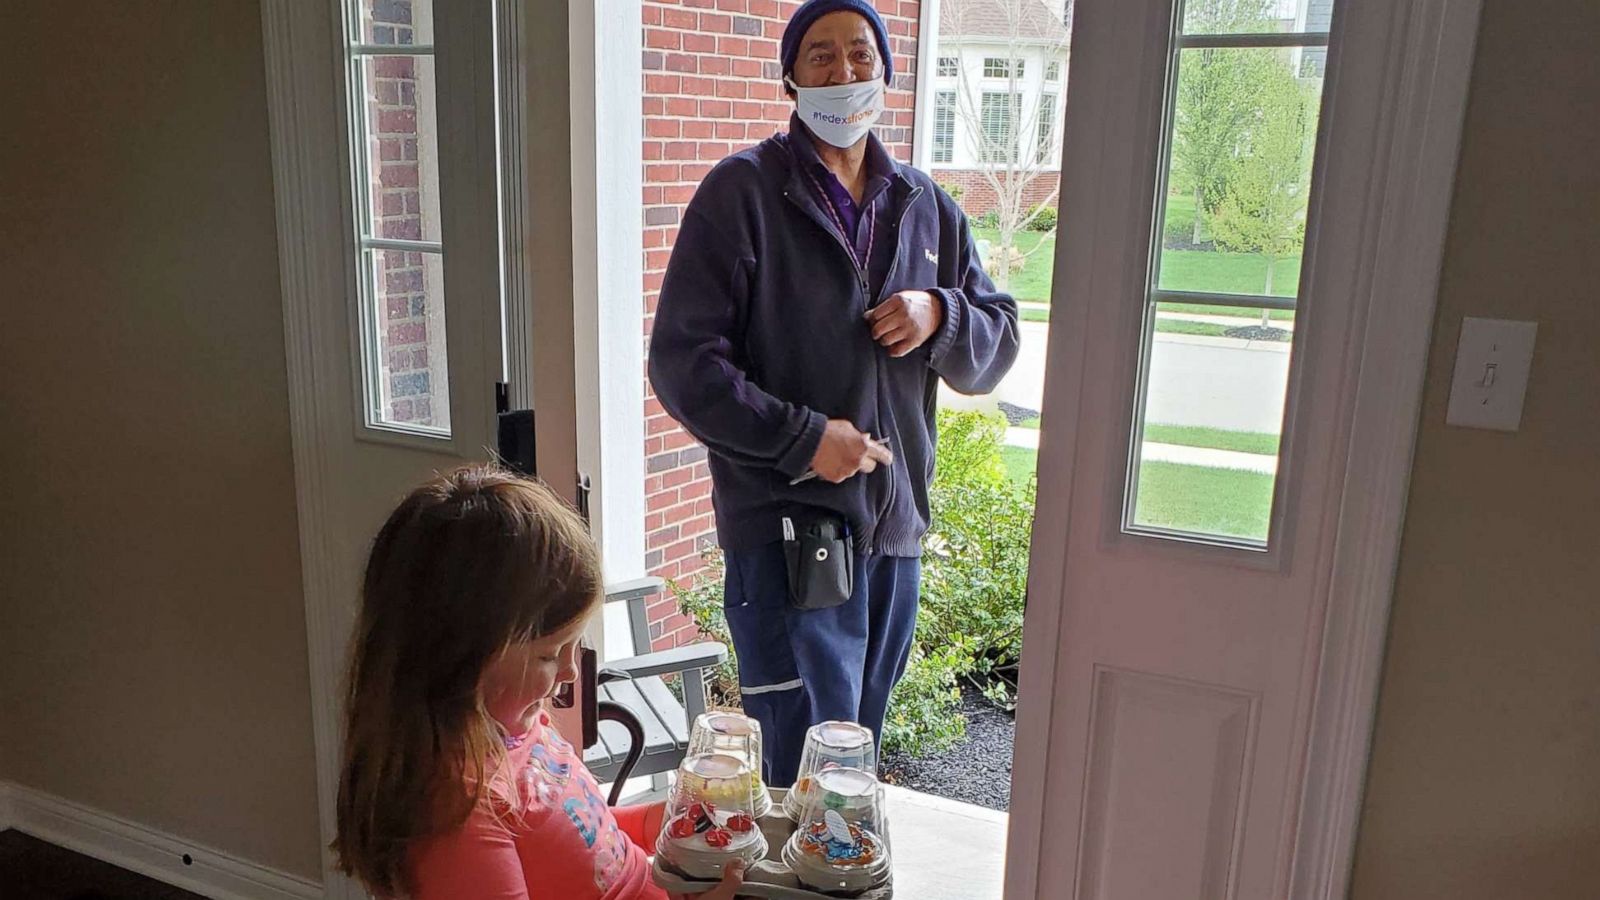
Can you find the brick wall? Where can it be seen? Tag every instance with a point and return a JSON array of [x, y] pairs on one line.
[[978, 195], [712, 87]]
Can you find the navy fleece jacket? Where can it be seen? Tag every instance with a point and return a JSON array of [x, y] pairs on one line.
[[759, 339]]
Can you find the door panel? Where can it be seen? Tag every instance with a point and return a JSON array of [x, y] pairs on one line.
[[1166, 780], [1184, 660]]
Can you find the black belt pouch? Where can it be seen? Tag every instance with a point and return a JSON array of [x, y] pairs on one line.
[[820, 557]]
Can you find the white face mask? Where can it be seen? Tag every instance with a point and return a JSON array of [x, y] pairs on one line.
[[841, 114]]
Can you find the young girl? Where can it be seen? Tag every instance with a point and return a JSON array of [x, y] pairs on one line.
[[455, 784]]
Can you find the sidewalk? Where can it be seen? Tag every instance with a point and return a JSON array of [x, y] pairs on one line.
[[1172, 453]]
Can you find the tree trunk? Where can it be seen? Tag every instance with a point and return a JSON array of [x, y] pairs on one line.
[[1199, 212], [1266, 314], [1002, 269]]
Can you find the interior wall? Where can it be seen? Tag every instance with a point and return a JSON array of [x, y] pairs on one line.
[[152, 638], [1485, 774]]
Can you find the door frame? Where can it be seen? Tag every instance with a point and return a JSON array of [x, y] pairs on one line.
[[1420, 53], [567, 293]]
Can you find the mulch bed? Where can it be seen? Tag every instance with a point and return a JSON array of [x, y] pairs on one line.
[[1257, 333], [1016, 415], [976, 771]]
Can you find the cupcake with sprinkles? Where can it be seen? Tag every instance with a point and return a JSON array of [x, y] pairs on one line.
[[711, 818], [841, 845]]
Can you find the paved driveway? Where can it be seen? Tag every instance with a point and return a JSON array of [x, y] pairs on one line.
[[1213, 382]]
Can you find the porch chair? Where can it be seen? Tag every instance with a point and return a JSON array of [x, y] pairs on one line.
[[633, 723]]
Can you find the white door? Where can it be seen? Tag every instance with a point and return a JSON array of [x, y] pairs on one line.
[[406, 353], [389, 208], [1203, 364]]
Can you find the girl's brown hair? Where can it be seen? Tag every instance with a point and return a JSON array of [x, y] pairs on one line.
[[468, 565]]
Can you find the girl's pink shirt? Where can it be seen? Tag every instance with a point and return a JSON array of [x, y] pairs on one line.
[[561, 843]]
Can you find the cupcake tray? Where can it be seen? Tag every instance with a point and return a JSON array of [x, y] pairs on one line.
[[769, 877]]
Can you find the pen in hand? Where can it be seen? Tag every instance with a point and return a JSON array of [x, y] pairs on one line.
[[882, 442]]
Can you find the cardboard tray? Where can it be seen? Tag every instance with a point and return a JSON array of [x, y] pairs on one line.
[[770, 877]]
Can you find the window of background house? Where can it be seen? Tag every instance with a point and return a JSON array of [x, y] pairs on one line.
[[996, 67], [1045, 148], [949, 67], [944, 126], [999, 126]]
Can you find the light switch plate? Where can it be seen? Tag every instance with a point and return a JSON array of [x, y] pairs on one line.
[[1493, 358]]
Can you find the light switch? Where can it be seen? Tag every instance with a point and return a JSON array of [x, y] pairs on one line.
[[1493, 358]]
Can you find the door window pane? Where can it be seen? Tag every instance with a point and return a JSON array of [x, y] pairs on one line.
[[1244, 127], [395, 149], [402, 147], [409, 372], [1212, 415], [1255, 16], [401, 23], [1232, 222]]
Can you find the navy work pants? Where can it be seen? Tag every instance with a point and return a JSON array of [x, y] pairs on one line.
[[801, 667]]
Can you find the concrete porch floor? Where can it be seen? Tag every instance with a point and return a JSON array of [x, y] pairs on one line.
[[945, 849]]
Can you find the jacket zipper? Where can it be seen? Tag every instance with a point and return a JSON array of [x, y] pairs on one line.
[[868, 302], [894, 265]]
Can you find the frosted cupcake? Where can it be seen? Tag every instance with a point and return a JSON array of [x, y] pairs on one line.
[[840, 845], [830, 745], [711, 818], [734, 735]]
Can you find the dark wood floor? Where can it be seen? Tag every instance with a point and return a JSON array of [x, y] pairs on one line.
[[31, 869]]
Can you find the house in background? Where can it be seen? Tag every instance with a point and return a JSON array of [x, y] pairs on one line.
[[999, 82]]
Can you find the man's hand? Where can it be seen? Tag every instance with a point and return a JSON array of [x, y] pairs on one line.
[[732, 877], [846, 452], [906, 321]]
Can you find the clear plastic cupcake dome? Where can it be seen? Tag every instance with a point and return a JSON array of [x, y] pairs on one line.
[[711, 817], [736, 735], [841, 841], [830, 745]]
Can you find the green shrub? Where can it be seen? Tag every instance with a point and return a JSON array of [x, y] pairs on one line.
[[925, 710], [1044, 219], [701, 600], [975, 559]]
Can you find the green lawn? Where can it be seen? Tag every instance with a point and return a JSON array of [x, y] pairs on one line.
[[1179, 326], [1202, 309], [1216, 271], [1020, 462], [1196, 436], [1181, 270], [1204, 500], [1033, 282], [1186, 498], [1213, 438]]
